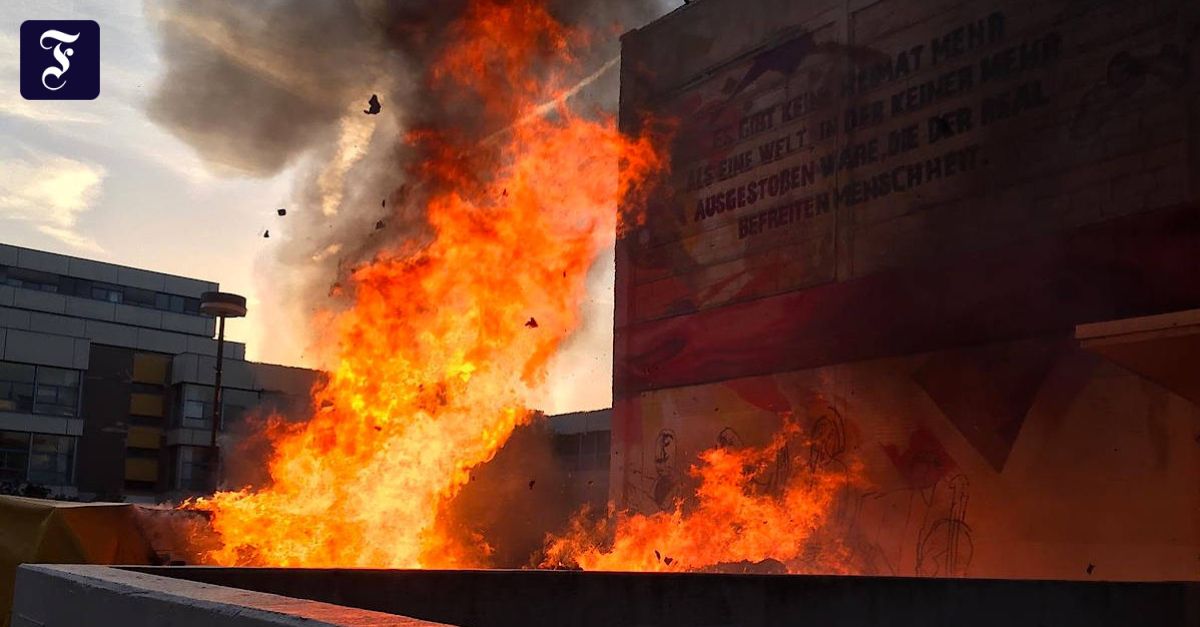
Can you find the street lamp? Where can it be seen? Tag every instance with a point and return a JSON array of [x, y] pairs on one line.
[[220, 305]]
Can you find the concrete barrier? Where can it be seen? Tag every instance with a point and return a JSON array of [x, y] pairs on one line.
[[99, 596], [519, 598]]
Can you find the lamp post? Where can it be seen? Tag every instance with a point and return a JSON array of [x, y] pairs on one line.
[[220, 305]]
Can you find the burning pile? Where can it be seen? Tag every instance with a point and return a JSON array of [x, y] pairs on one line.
[[446, 335], [754, 509], [435, 356]]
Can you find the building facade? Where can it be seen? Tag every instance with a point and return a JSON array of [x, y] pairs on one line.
[[582, 441], [106, 380], [956, 242]]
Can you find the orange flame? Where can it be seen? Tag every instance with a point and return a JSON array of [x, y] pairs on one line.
[[752, 505], [435, 358]]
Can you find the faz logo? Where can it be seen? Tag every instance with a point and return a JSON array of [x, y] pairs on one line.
[[60, 60]]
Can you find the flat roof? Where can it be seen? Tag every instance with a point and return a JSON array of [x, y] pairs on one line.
[[91, 269]]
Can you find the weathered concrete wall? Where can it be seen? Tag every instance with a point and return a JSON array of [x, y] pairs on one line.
[[885, 220], [99, 596], [520, 598]]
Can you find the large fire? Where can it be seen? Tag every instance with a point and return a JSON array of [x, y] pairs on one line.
[[445, 340]]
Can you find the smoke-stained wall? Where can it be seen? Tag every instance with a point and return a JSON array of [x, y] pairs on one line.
[[886, 220]]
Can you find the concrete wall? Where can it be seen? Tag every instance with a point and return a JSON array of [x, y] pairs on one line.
[[67, 596], [943, 218], [518, 598], [884, 221]]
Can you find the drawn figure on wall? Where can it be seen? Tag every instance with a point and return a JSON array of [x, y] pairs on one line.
[[945, 547], [666, 472]]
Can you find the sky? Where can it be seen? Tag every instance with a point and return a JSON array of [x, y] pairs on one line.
[[99, 179]]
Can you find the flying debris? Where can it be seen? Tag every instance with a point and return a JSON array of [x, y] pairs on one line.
[[267, 234], [384, 203], [425, 341], [532, 323], [281, 211], [373, 105]]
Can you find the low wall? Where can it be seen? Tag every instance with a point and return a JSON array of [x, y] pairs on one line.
[[99, 596], [519, 598]]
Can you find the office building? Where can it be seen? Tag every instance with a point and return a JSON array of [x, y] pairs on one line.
[[106, 376]]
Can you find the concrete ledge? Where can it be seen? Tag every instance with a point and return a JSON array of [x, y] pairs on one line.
[[500, 598], [68, 596]]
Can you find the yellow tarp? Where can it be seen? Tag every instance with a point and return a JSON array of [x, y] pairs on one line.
[[53, 532]]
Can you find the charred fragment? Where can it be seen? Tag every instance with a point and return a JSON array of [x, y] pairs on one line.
[[373, 106]]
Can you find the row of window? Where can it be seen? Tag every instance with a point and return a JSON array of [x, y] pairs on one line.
[[37, 458], [56, 392], [583, 451], [39, 389], [97, 290]]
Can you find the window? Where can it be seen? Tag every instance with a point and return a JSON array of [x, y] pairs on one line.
[[583, 451], [29, 279], [39, 389], [96, 290], [110, 293], [595, 450], [14, 455], [57, 392], [16, 387], [196, 408], [138, 296], [231, 414], [52, 460], [196, 411], [193, 468]]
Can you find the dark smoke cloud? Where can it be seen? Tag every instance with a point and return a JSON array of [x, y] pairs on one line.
[[257, 87], [253, 85]]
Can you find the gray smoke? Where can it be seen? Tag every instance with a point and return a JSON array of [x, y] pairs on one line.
[[259, 87]]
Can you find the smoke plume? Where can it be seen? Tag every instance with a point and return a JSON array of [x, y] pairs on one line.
[[257, 88]]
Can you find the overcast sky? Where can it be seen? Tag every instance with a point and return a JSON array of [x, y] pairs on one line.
[[99, 179]]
